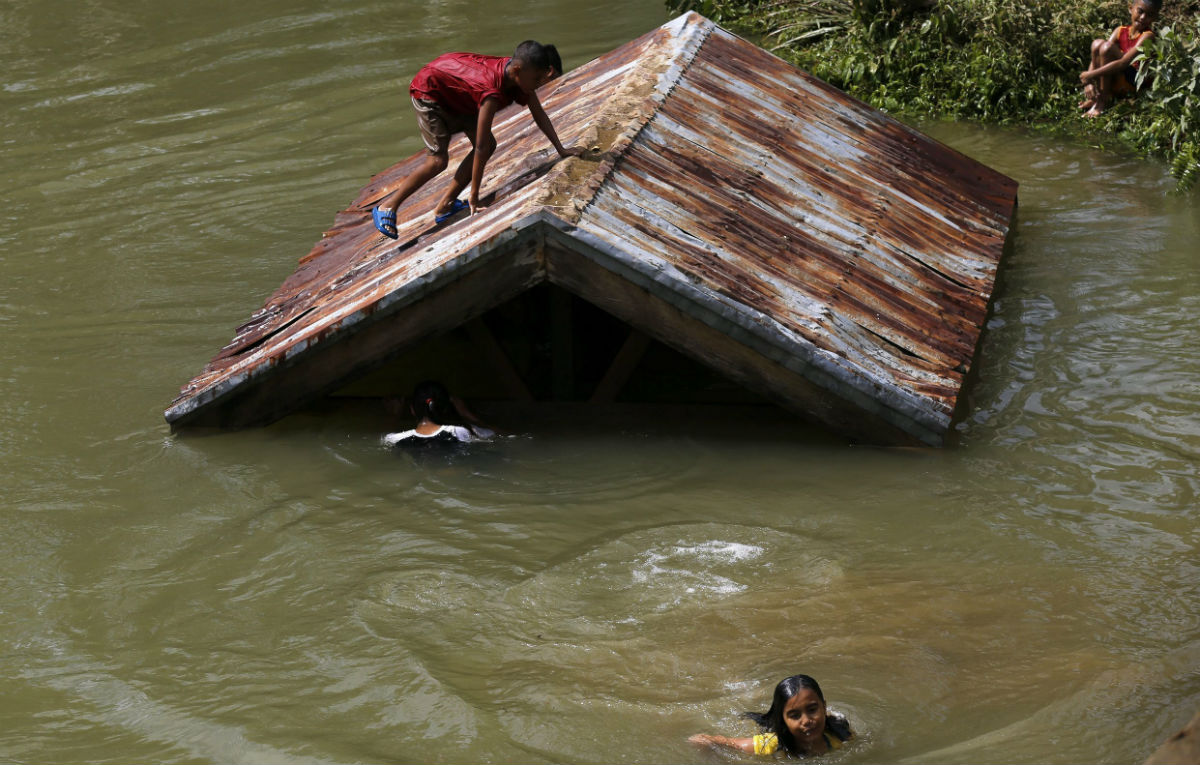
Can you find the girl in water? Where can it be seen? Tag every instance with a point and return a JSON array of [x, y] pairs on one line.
[[440, 417], [797, 722]]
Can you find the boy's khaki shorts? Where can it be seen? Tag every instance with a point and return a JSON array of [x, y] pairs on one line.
[[438, 125]]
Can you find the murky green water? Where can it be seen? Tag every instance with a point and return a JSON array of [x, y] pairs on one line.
[[298, 594]]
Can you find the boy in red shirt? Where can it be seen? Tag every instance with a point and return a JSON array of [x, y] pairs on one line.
[[1112, 69], [461, 93]]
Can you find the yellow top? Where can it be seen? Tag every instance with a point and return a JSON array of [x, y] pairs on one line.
[[768, 743]]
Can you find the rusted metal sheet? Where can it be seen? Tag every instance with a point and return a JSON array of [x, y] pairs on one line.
[[829, 242], [863, 248], [353, 272]]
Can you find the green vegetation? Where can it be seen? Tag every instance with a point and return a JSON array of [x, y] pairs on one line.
[[991, 60]]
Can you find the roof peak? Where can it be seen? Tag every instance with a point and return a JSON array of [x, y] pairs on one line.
[[572, 184]]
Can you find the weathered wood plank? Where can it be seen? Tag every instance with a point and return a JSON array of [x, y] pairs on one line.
[[623, 364], [498, 360]]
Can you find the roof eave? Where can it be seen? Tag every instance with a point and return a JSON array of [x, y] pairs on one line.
[[257, 368]]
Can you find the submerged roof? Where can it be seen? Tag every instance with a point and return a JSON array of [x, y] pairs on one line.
[[730, 205]]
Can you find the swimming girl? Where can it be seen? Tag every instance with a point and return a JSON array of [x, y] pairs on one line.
[[440, 417], [797, 722]]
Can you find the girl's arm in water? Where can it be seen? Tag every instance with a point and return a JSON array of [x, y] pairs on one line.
[[474, 423], [460, 406], [742, 744]]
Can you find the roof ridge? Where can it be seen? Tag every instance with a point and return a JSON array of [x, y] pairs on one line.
[[572, 185]]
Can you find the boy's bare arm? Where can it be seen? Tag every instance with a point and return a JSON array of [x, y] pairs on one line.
[[543, 122], [483, 148]]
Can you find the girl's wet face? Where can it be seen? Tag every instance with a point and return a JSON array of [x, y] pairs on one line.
[[804, 715]]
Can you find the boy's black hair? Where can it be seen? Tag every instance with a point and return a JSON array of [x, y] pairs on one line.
[[1154, 5], [541, 57], [773, 721]]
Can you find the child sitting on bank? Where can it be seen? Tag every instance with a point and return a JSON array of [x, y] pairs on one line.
[[798, 722], [440, 418], [1112, 70], [461, 93]]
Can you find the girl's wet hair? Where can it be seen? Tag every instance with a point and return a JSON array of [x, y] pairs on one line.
[[540, 57], [773, 721], [431, 400]]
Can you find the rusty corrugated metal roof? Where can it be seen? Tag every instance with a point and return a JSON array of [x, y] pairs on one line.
[[846, 249]]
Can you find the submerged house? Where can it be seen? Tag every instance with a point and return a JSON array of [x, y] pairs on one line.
[[754, 220]]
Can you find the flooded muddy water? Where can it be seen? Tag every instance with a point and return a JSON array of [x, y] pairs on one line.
[[299, 594]]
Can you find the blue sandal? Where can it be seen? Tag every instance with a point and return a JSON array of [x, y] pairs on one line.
[[385, 222], [456, 207]]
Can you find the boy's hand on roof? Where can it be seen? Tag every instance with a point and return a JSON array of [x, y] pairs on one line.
[[475, 204], [571, 151]]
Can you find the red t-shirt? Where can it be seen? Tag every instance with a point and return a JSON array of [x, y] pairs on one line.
[[1126, 40], [461, 81]]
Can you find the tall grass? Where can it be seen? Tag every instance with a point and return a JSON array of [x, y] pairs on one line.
[[991, 60]]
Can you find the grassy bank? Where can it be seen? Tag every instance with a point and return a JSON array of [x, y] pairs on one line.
[[989, 60]]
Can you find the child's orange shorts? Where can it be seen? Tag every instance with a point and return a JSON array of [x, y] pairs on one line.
[[1125, 82]]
